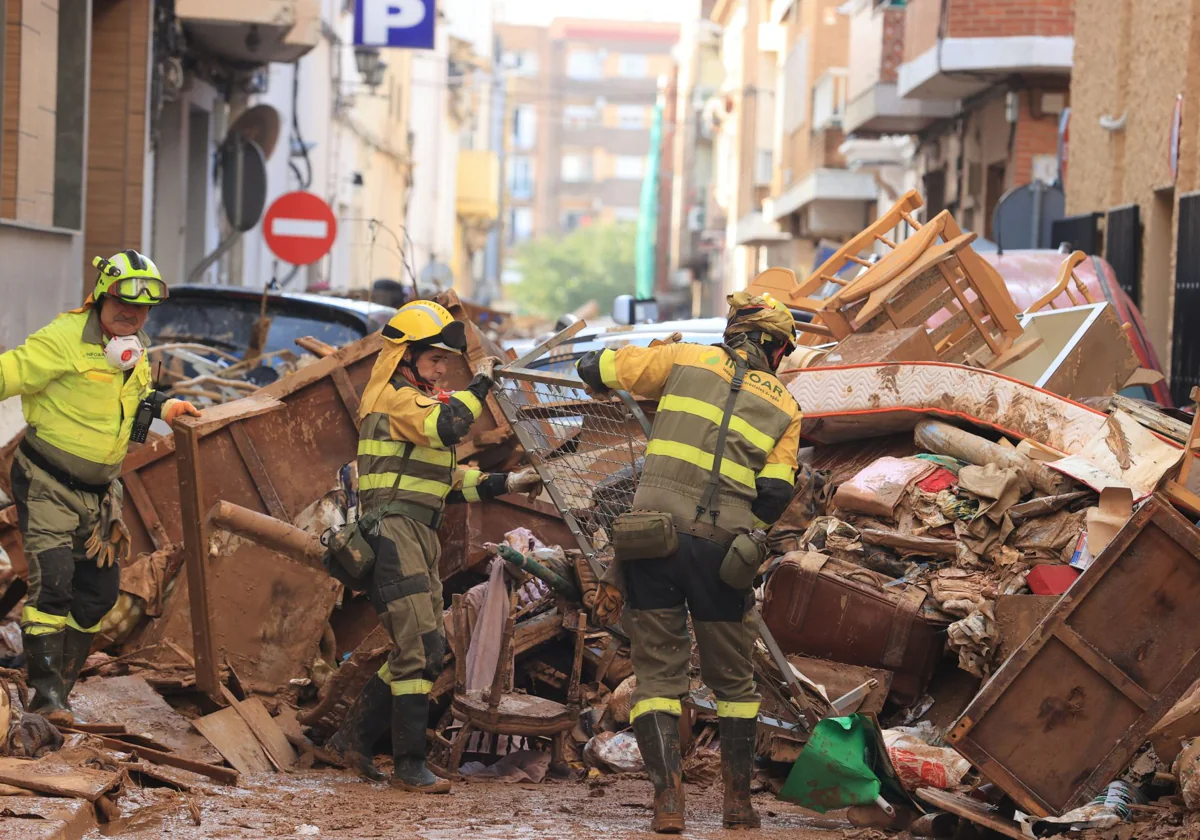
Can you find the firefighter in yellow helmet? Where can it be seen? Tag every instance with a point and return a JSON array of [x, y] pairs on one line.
[[81, 379], [407, 471], [722, 400]]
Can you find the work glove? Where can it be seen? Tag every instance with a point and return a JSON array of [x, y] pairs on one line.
[[609, 601], [175, 408], [487, 368], [588, 582], [525, 481], [110, 540]]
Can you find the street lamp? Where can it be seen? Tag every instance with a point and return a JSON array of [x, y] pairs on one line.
[[370, 67]]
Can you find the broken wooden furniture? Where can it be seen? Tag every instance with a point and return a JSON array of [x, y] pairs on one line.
[[1066, 713], [498, 711], [1066, 276]]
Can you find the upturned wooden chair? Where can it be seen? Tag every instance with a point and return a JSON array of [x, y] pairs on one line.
[[498, 710]]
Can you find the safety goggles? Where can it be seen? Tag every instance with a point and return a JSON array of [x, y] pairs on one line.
[[133, 288]]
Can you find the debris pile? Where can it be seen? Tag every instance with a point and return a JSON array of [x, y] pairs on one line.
[[977, 605]]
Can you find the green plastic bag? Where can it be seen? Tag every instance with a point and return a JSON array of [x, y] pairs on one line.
[[844, 763]]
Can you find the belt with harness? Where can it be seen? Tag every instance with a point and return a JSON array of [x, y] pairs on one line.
[[60, 475], [350, 547], [650, 535]]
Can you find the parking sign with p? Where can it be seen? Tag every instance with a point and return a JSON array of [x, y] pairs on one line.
[[395, 23]]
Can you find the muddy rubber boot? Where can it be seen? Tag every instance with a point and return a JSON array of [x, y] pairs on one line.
[[737, 766], [77, 645], [353, 744], [658, 739], [410, 715], [44, 659]]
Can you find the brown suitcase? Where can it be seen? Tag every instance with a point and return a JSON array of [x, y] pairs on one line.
[[813, 611]]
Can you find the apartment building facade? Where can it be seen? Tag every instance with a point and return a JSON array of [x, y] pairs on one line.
[[1134, 162], [580, 100]]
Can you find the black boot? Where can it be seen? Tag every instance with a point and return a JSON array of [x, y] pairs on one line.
[[737, 766], [410, 716], [44, 659], [354, 742], [77, 645], [658, 739]]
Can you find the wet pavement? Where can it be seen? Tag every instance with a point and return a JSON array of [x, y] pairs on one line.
[[336, 804]]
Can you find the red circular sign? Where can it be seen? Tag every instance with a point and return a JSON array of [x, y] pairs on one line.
[[299, 228]]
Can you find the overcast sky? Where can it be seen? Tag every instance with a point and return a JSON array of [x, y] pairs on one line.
[[541, 12]]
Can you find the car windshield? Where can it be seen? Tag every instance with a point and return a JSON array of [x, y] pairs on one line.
[[227, 324]]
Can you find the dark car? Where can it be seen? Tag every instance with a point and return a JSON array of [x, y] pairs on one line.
[[223, 317]]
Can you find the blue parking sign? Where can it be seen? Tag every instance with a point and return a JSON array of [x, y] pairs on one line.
[[394, 23]]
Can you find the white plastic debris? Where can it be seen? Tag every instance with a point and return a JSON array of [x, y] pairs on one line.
[[307, 830]]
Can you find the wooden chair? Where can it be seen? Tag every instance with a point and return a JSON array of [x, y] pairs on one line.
[[1066, 274], [498, 710]]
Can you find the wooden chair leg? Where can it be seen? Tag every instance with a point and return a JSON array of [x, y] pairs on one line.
[[460, 746], [558, 754]]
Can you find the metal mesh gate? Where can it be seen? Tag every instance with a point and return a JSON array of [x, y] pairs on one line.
[[1185, 342], [1123, 248]]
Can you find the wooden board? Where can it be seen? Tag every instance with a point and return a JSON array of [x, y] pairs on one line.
[[46, 818], [1065, 714], [232, 737], [265, 727], [977, 812], [56, 779]]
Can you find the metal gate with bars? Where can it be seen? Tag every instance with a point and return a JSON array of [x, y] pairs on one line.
[[1185, 342], [1082, 232], [1123, 248]]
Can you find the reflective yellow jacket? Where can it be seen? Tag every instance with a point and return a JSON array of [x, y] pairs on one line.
[[79, 408], [691, 383]]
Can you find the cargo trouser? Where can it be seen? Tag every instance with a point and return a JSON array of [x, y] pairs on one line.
[[660, 594], [406, 591], [66, 588]]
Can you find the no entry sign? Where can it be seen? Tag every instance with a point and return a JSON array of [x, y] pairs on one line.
[[299, 228]]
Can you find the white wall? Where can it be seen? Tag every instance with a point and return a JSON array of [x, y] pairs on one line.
[[39, 278]]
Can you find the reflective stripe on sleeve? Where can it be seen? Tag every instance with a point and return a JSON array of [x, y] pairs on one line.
[[779, 472], [470, 486], [470, 401], [608, 369]]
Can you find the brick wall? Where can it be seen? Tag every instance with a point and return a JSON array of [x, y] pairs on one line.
[[893, 45], [1036, 135], [1007, 18], [984, 19]]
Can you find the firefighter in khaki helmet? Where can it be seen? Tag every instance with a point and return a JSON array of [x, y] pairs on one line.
[[81, 379], [407, 467], [693, 384]]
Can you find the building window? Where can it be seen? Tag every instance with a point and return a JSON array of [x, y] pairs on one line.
[[524, 127], [579, 116], [521, 62], [573, 219], [520, 176], [520, 224], [630, 167], [584, 64], [794, 84], [626, 214], [633, 66], [576, 168], [631, 116]]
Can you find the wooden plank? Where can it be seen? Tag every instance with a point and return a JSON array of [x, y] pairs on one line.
[[218, 416], [1111, 673], [224, 775], [922, 545], [1152, 419], [345, 389], [265, 727], [258, 471], [144, 506], [233, 739], [195, 549], [972, 810], [76, 783]]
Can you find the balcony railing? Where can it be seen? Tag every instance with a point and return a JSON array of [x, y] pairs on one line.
[[829, 99]]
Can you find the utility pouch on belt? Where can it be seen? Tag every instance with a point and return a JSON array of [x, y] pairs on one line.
[[740, 566], [350, 549], [644, 535]]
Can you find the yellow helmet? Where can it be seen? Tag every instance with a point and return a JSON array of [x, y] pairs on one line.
[[762, 313], [424, 323], [130, 277]]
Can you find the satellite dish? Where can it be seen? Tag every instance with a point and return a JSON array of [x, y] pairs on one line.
[[259, 124], [243, 182]]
